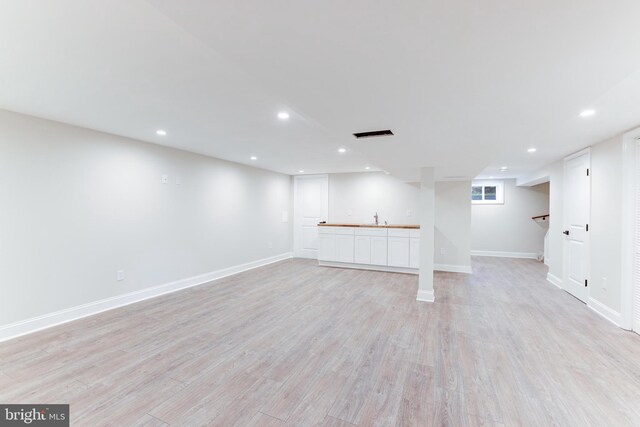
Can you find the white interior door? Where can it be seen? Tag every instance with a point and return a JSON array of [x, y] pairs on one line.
[[310, 206], [636, 260], [577, 206]]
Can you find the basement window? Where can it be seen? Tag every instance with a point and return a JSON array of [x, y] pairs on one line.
[[487, 193]]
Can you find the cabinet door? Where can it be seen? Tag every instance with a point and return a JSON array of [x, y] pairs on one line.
[[363, 250], [327, 247], [379, 250], [398, 252], [414, 253], [344, 248]]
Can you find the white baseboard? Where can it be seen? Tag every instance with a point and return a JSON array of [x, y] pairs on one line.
[[499, 254], [385, 268], [452, 268], [604, 311], [554, 280], [426, 296], [34, 324]]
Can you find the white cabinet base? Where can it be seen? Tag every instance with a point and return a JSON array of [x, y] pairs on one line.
[[368, 267]]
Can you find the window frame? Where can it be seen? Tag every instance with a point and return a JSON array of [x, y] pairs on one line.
[[486, 183]]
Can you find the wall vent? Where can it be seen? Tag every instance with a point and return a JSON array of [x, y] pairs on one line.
[[373, 133]]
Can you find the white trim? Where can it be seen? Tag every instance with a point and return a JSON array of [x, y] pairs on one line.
[[555, 280], [385, 268], [425, 296], [579, 153], [452, 268], [34, 324], [500, 254], [604, 311], [629, 147]]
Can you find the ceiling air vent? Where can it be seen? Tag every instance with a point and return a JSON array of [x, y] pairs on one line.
[[373, 133]]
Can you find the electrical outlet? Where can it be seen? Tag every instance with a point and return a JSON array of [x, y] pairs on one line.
[[164, 179], [120, 275], [349, 212], [604, 283], [443, 251], [270, 245], [409, 213], [178, 180]]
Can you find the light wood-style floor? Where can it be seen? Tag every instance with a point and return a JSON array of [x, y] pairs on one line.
[[297, 344]]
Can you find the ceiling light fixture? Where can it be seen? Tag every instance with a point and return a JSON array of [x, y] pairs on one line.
[[254, 158], [342, 150], [587, 113], [301, 171], [367, 167], [532, 150], [283, 115], [161, 132], [504, 169]]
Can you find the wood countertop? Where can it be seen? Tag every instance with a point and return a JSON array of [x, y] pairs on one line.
[[409, 226]]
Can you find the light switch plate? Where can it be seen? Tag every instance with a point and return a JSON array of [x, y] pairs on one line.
[[164, 179], [120, 275]]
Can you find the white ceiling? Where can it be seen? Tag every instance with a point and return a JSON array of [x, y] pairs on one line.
[[466, 86]]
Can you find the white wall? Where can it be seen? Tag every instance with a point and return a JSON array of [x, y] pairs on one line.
[[556, 226], [356, 197], [605, 271], [508, 227], [77, 205], [453, 226], [605, 226]]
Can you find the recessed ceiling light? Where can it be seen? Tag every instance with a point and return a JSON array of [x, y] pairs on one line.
[[491, 177], [532, 150], [283, 115], [587, 113], [342, 150], [301, 171], [254, 158], [367, 167], [161, 132], [504, 168]]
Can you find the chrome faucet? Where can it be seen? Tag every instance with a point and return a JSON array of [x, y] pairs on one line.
[[376, 218]]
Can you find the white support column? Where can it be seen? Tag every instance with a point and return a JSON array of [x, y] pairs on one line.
[[426, 207]]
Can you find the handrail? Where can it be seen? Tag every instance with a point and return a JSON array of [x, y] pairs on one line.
[[543, 217]]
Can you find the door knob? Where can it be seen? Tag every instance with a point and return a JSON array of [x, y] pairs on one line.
[[565, 232]]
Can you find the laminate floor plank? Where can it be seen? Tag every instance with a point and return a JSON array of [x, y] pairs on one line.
[[295, 344]]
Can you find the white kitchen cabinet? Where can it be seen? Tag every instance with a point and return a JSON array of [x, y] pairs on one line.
[[363, 250], [379, 250], [344, 248], [398, 251], [414, 253], [375, 248], [327, 247]]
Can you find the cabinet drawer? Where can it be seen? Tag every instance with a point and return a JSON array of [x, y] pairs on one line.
[[326, 230], [415, 234], [399, 232], [370, 231], [344, 230]]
